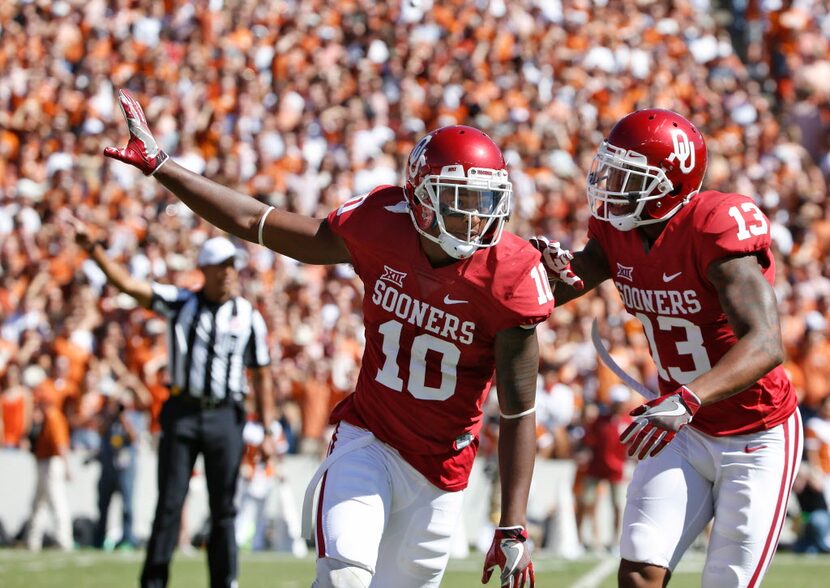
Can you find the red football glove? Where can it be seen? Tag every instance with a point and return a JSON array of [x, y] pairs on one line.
[[657, 422], [141, 151], [557, 261], [510, 552]]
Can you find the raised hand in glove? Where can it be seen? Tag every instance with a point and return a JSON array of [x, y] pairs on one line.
[[657, 422], [141, 151], [557, 261], [510, 552]]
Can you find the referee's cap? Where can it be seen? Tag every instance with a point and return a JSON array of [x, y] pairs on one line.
[[218, 250]]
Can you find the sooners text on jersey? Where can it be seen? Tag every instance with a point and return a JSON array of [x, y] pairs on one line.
[[667, 289], [429, 358]]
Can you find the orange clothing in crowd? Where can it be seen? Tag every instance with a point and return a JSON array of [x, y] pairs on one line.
[[251, 459], [817, 442], [7, 352], [816, 364], [54, 437], [14, 419], [313, 396], [78, 358], [159, 394]]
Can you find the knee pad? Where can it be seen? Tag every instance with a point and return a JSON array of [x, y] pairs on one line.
[[333, 573]]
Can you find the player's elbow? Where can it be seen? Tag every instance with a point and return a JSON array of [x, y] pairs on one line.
[[772, 349]]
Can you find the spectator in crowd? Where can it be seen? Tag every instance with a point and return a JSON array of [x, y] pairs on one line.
[[120, 425], [259, 477], [817, 447], [605, 467], [814, 518], [256, 481], [15, 409], [555, 411], [50, 444]]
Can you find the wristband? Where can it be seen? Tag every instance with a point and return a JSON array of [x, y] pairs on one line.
[[519, 415], [164, 157], [262, 224], [690, 399]]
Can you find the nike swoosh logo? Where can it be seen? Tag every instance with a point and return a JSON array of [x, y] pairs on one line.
[[150, 145], [448, 300], [671, 277], [749, 449], [513, 551], [679, 409]]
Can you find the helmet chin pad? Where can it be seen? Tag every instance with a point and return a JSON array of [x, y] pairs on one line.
[[623, 223], [456, 248]]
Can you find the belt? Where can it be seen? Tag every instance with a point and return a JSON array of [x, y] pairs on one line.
[[204, 403]]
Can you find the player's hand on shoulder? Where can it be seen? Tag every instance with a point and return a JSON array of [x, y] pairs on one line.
[[657, 422], [557, 261], [510, 552], [142, 150]]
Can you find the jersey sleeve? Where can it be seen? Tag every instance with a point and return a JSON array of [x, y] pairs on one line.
[[346, 222], [167, 299], [523, 296], [732, 226]]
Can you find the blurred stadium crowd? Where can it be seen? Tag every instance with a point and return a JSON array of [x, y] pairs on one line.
[[305, 103]]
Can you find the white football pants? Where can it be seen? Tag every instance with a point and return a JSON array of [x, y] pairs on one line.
[[743, 481], [376, 512]]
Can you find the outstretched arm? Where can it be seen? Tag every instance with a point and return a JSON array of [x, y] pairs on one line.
[[304, 238], [117, 275]]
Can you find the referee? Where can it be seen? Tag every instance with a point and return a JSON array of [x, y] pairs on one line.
[[213, 335]]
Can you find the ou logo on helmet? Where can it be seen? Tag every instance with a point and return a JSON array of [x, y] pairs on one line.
[[418, 156], [683, 150]]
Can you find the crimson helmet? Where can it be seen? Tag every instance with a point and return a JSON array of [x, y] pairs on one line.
[[650, 165], [458, 172]]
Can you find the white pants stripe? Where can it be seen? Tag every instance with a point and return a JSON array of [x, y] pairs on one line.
[[793, 443]]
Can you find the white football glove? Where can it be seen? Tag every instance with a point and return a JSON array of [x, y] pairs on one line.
[[557, 261], [657, 422]]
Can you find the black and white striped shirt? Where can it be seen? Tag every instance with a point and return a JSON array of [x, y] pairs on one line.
[[210, 345]]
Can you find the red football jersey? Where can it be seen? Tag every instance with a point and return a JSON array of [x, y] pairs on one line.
[[430, 333], [667, 289]]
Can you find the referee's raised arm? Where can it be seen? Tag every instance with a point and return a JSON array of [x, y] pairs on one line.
[[117, 275]]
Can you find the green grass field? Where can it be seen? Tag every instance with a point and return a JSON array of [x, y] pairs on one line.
[[89, 569]]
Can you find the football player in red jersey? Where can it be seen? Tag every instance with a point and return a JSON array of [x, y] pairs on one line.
[[451, 301], [695, 267]]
